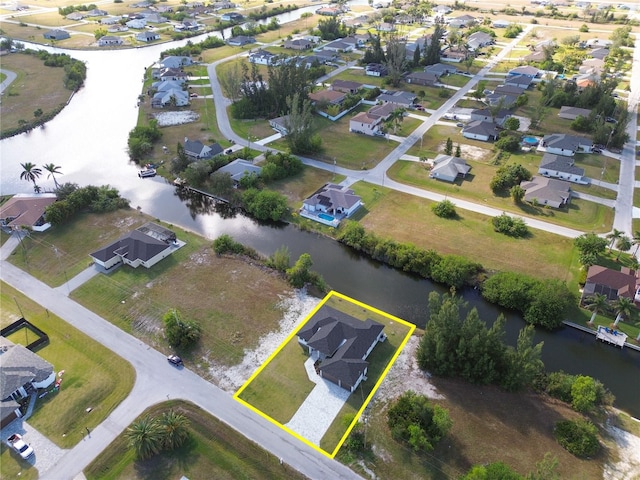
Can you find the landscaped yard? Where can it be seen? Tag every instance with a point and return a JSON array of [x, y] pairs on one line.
[[214, 450], [409, 219], [93, 375], [283, 385]]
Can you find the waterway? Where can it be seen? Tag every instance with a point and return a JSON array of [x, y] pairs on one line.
[[88, 140]]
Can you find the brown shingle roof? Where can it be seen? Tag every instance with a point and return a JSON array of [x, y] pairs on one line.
[[25, 210]]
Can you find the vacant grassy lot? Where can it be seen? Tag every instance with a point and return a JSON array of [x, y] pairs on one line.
[[36, 87], [489, 425], [297, 188], [282, 385], [409, 219], [580, 214], [214, 450], [63, 251], [94, 376], [235, 301]]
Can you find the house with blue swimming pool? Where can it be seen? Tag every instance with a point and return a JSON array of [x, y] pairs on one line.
[[330, 204]]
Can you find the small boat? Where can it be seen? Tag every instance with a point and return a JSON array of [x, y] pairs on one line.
[[147, 172]]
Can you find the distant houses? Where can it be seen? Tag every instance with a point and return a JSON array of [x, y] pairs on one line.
[[240, 41], [56, 34]]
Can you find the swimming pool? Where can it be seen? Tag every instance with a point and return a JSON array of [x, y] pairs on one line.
[[326, 216], [530, 140]]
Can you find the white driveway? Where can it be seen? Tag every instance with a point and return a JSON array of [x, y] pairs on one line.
[[320, 408]]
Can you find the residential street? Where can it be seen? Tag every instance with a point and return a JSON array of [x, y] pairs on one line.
[[377, 175], [157, 380]]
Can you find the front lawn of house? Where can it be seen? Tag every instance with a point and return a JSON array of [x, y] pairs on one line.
[[214, 450], [93, 375]]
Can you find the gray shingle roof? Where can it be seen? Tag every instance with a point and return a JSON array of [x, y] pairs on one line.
[[134, 245], [19, 367], [560, 163]]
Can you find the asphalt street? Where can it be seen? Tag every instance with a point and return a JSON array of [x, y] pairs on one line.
[[157, 380]]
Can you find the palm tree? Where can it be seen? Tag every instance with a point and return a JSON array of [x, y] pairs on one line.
[[624, 308], [53, 171], [175, 429], [613, 236], [30, 173], [396, 118], [145, 437], [599, 303], [623, 245], [636, 241]]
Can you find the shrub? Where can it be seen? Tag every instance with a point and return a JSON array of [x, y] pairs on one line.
[[579, 437], [265, 204], [511, 226], [181, 334], [444, 209]]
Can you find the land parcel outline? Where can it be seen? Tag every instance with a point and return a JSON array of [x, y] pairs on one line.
[[321, 413]]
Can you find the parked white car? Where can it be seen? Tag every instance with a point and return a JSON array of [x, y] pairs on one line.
[[20, 446]]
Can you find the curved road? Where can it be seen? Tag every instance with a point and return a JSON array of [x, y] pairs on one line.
[[11, 76], [157, 380]]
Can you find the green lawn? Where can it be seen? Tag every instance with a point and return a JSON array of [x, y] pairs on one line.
[[282, 386], [94, 376], [214, 450], [455, 80], [254, 129], [409, 219]]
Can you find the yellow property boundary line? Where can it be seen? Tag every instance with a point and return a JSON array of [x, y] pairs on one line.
[[411, 327]]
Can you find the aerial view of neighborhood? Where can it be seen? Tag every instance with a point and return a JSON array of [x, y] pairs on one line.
[[306, 239]]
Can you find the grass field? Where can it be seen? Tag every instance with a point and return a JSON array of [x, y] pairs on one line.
[[214, 450], [489, 425], [580, 214], [37, 86], [94, 376], [409, 219], [62, 252]]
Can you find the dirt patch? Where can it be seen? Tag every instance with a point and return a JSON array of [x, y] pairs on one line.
[[471, 152], [167, 119], [296, 307], [628, 467]]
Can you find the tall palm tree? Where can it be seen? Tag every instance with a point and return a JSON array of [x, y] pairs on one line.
[[53, 171], [396, 118], [145, 436], [598, 303], [30, 173], [624, 308], [613, 236], [636, 241], [175, 428], [623, 245]]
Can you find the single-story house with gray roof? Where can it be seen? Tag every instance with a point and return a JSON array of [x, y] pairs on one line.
[[422, 78], [448, 168], [147, 37], [559, 166], [571, 113], [563, 144], [335, 200], [547, 191], [239, 168], [340, 344], [198, 150], [56, 34], [399, 97], [145, 246], [480, 130]]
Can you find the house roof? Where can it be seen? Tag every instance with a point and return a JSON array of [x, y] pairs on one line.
[[364, 117], [599, 52], [485, 112], [24, 210], [20, 366], [400, 97], [509, 90], [143, 244], [196, 148], [439, 69], [346, 84], [623, 282], [327, 96], [480, 127], [343, 339], [518, 80], [560, 163], [426, 76], [333, 196], [448, 166], [545, 189], [239, 168], [382, 111], [524, 70], [574, 111], [565, 142]]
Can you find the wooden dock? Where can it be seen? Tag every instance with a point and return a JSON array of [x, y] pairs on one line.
[[206, 194]]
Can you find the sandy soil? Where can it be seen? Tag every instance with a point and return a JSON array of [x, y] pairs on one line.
[[167, 119], [296, 309]]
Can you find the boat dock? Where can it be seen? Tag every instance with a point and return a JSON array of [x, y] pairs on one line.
[[619, 339], [611, 336], [206, 194]]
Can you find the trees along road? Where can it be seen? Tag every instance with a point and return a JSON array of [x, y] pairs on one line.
[[156, 380]]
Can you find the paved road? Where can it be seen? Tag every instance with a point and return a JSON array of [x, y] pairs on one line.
[[11, 76], [156, 379]]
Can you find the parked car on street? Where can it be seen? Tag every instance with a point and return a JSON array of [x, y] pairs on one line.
[[175, 360], [20, 446]]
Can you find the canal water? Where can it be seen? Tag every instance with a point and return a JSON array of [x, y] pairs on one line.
[[88, 140]]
